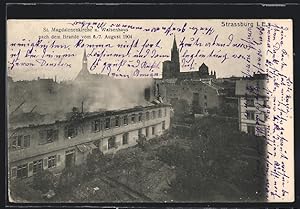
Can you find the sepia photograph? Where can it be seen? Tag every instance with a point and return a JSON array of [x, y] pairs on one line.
[[150, 111]]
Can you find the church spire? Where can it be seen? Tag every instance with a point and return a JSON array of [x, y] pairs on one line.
[[175, 57], [84, 72], [174, 47], [84, 59]]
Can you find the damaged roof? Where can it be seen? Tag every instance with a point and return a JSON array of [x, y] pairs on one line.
[[24, 120]]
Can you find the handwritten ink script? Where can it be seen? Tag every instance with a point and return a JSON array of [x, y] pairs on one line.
[[278, 65], [138, 49]]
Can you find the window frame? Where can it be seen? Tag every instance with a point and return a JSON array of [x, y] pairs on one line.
[[26, 142], [111, 145], [52, 161], [69, 129], [54, 135], [107, 123], [96, 124], [117, 121], [153, 130], [21, 168], [125, 138], [140, 117], [249, 114], [125, 120], [133, 118], [250, 102], [37, 166], [20, 142]]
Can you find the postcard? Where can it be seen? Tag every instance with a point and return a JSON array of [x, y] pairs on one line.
[[150, 110]]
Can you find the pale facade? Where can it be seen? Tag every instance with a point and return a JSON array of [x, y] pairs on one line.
[[251, 119], [253, 106], [67, 143]]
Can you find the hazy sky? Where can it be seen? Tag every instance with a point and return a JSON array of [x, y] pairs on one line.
[[211, 38]]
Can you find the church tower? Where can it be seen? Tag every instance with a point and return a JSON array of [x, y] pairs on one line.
[[84, 72], [175, 57]]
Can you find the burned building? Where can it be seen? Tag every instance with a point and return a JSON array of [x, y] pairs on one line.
[[97, 91], [65, 143], [44, 135]]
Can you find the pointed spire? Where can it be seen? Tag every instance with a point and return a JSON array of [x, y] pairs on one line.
[[84, 55], [174, 44]]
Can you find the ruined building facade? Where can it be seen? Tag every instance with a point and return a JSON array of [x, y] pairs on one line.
[[66, 143], [66, 139]]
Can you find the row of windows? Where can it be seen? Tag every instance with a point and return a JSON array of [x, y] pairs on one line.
[[51, 135], [20, 142], [250, 102], [23, 141], [45, 136], [48, 136], [35, 167], [250, 115], [125, 137], [118, 121], [112, 141]]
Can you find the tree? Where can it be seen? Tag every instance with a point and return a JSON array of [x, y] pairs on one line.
[[171, 155], [217, 163]]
